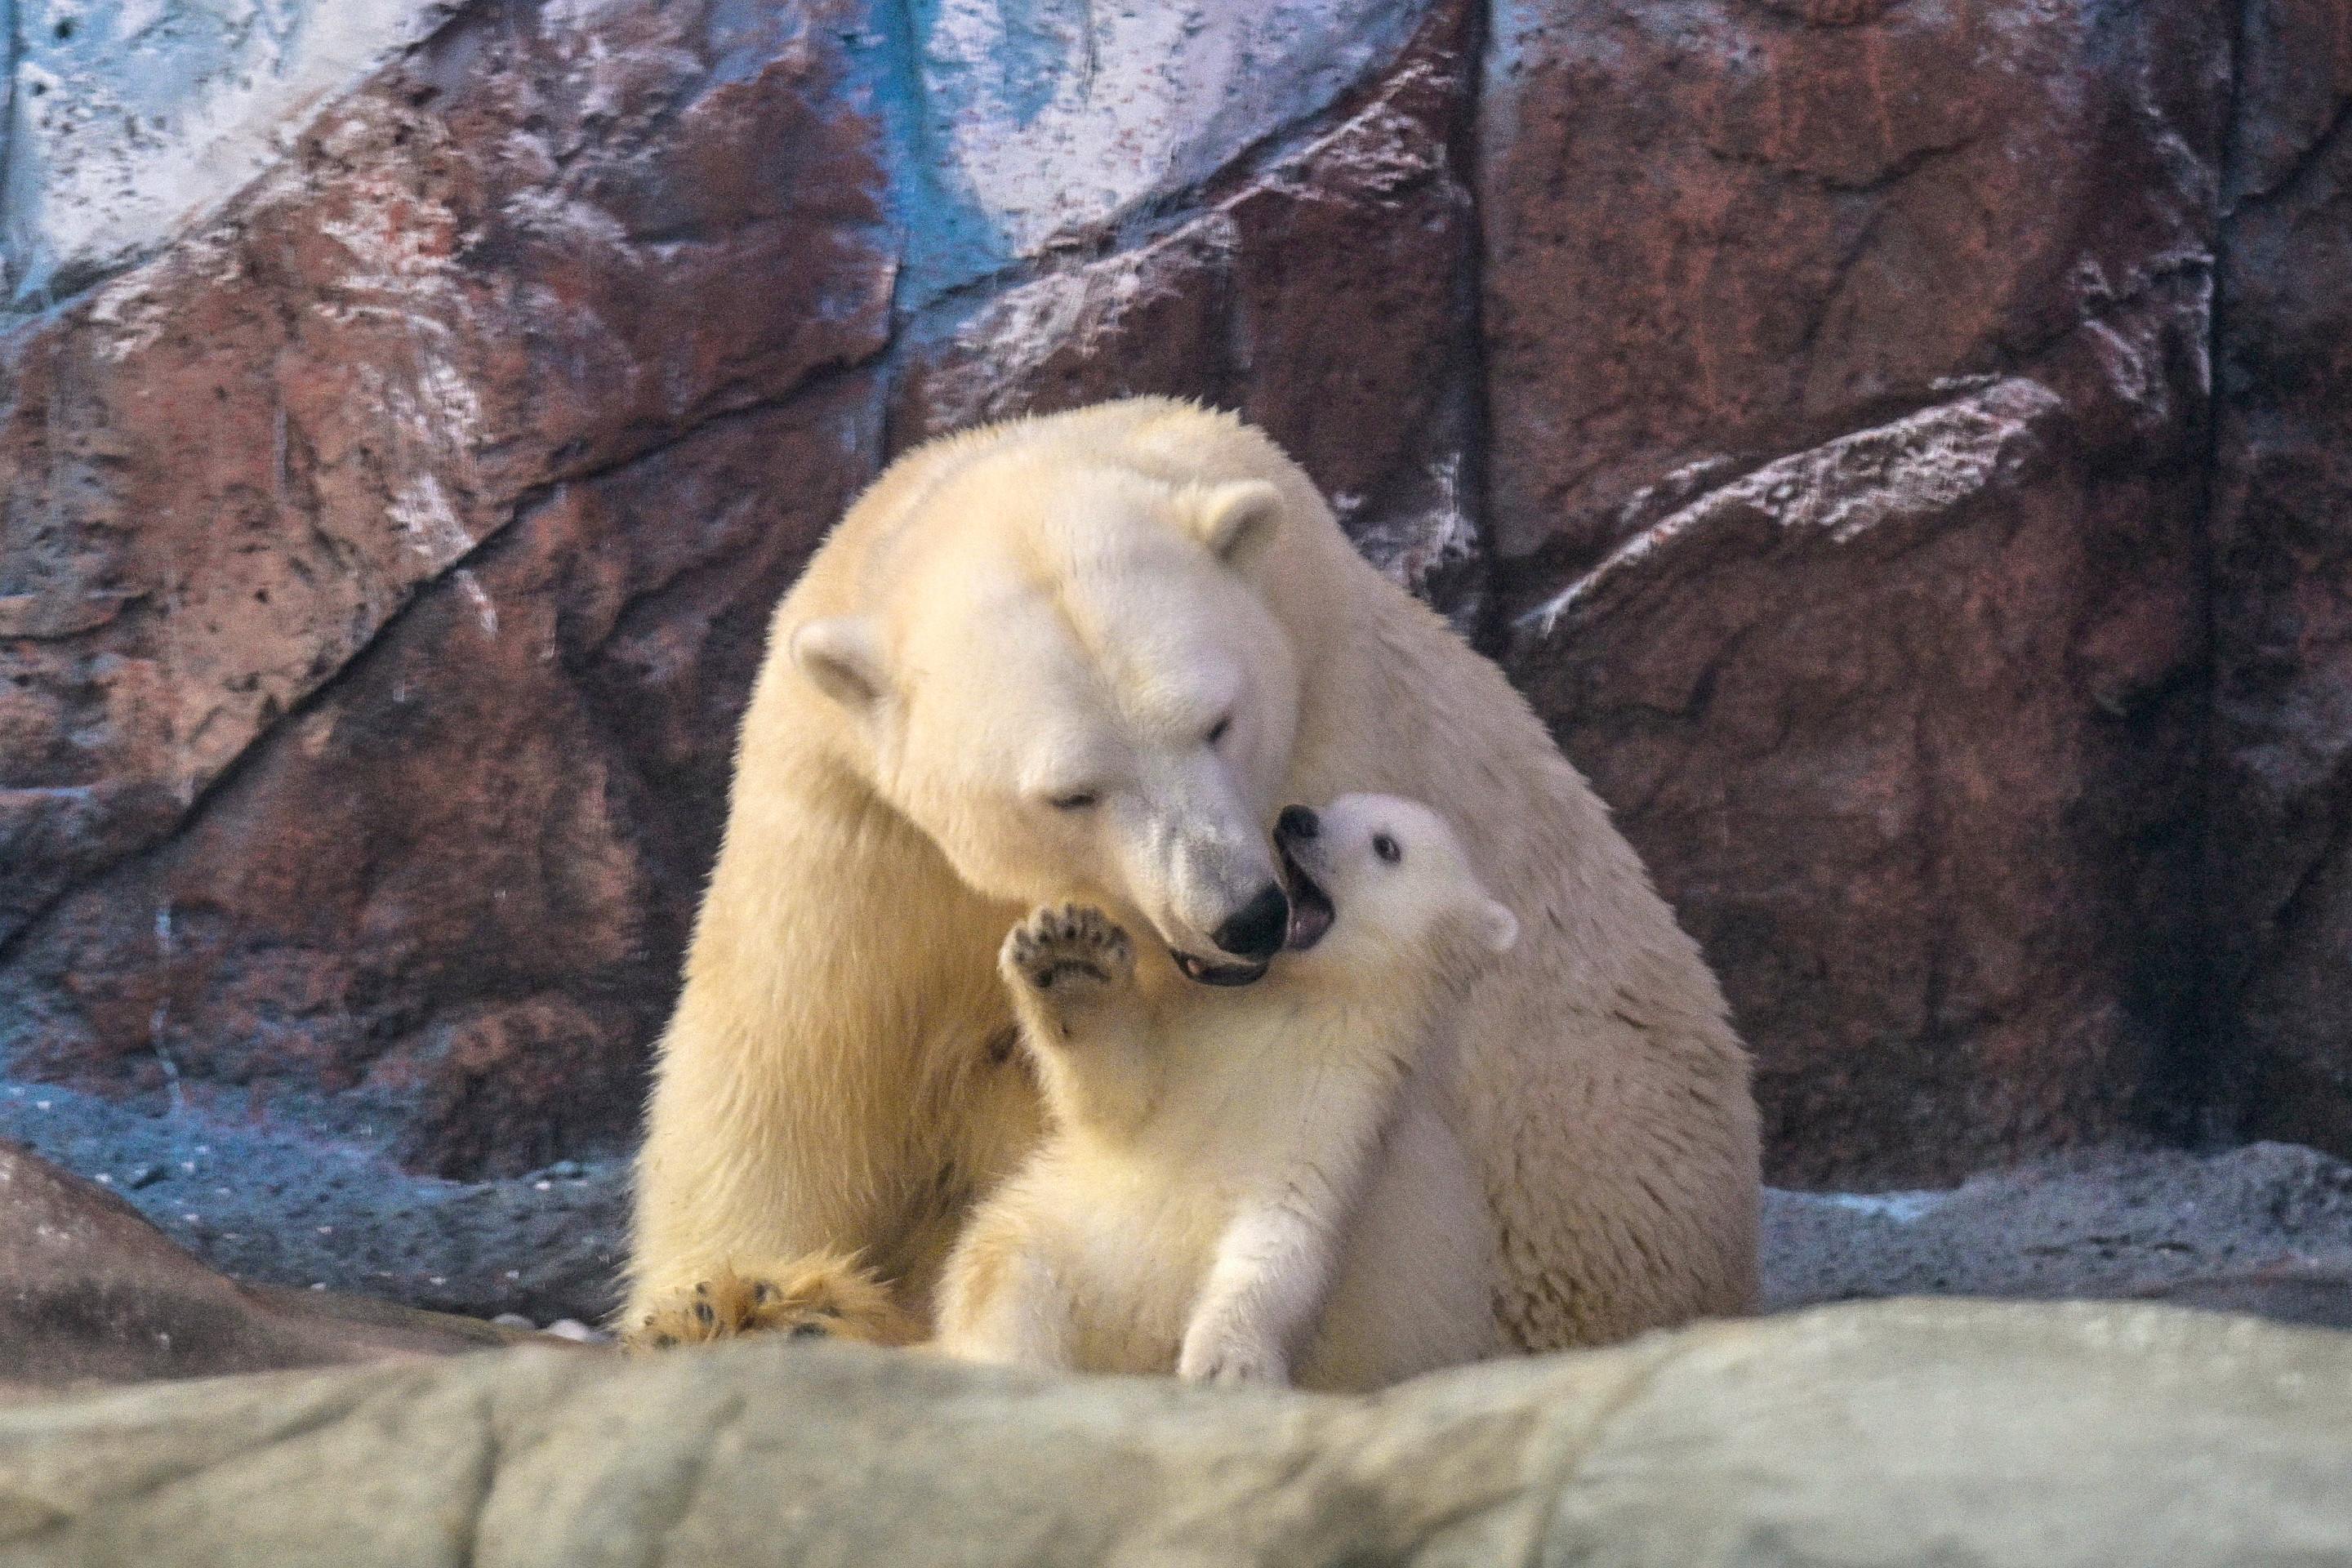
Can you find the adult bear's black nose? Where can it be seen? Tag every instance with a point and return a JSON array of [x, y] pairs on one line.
[[1258, 931], [1297, 822]]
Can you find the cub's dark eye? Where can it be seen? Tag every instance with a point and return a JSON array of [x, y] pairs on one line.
[[1217, 731], [1076, 800], [1386, 849]]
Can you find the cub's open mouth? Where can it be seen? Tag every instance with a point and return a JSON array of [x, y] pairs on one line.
[[1208, 973], [1311, 907]]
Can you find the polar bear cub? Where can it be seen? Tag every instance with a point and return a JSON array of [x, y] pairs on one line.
[[1242, 1185]]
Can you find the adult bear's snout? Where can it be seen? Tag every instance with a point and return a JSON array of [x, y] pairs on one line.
[[1256, 932]]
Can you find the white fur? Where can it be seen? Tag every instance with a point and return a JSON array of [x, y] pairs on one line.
[[1045, 614], [1223, 1166]]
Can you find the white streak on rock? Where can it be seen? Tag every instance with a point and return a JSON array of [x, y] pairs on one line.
[[478, 596], [1054, 115], [1001, 349], [137, 309], [421, 509], [1922, 463]]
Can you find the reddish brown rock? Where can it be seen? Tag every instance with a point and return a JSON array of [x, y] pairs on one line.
[[384, 565], [446, 898], [2281, 790], [1846, 401], [491, 270], [1716, 232], [1896, 739]]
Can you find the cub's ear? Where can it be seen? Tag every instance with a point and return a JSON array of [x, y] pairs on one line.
[[843, 658], [1497, 928], [1236, 520]]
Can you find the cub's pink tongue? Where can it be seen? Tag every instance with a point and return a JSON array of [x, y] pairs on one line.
[[1311, 907]]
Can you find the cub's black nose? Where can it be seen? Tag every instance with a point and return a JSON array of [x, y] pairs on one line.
[[1297, 822], [1258, 931]]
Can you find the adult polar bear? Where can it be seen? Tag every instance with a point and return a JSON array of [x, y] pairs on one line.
[[1087, 657]]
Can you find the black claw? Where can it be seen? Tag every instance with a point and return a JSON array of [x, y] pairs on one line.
[[808, 1331], [763, 1292], [703, 1314]]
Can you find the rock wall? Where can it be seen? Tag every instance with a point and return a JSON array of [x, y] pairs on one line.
[[1848, 390], [1898, 445], [2280, 792]]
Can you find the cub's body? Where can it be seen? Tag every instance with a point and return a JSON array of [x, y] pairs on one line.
[[1250, 1185]]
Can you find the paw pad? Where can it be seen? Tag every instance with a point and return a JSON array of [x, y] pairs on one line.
[[1069, 946]]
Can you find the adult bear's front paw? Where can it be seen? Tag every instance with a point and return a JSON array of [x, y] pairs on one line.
[[1070, 954], [824, 1296]]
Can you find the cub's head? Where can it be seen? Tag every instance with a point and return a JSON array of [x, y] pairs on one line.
[[1376, 882], [1071, 680]]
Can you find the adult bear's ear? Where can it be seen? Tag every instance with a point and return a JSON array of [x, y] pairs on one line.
[[1236, 520], [842, 658]]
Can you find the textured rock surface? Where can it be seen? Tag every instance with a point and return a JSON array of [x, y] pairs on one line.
[[91, 1293], [1255, 298], [1861, 1436], [384, 565], [2265, 1228], [1847, 393], [129, 120], [2282, 784], [1036, 123], [269, 1202], [1808, 402]]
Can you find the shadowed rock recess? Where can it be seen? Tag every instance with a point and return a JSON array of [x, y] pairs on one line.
[[1901, 449]]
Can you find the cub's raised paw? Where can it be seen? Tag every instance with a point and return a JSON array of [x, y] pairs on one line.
[[825, 1296], [1069, 952]]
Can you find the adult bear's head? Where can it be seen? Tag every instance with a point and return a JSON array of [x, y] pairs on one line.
[[1070, 679]]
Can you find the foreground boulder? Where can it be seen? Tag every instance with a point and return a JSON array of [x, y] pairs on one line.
[[1898, 1432], [90, 1292]]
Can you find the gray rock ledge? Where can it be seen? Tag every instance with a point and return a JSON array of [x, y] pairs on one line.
[[1898, 1432]]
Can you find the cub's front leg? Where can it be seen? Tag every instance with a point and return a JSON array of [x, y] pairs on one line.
[[1071, 974], [1274, 1268], [1276, 1261]]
